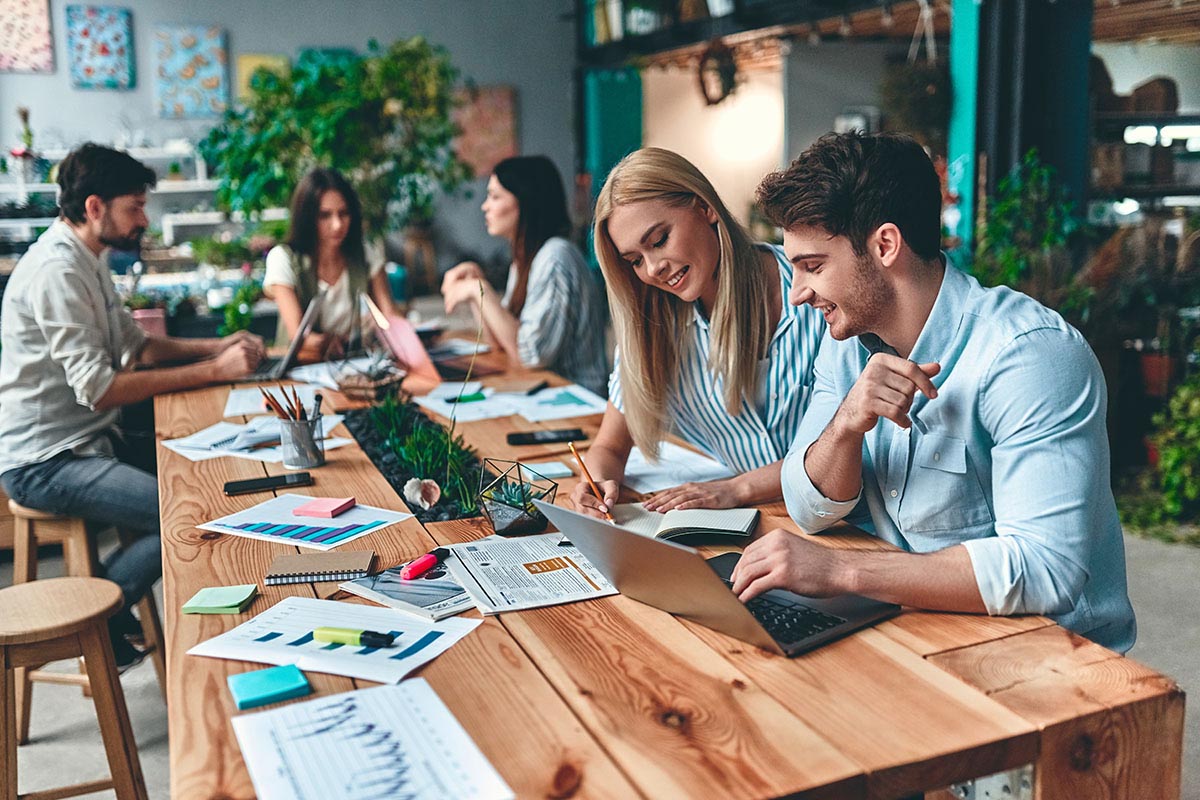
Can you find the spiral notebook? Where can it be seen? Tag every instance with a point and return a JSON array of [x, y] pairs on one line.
[[313, 567]]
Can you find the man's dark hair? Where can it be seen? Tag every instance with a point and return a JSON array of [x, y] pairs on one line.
[[848, 184], [94, 169]]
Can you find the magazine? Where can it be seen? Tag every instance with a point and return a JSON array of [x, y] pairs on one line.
[[434, 595]]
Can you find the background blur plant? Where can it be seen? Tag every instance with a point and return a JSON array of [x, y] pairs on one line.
[[383, 120], [221, 253], [239, 311]]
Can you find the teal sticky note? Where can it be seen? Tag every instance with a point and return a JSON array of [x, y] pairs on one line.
[[263, 686], [221, 599]]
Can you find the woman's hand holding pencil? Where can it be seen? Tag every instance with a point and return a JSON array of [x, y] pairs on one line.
[[597, 502]]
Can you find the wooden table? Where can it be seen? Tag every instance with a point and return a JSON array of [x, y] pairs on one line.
[[612, 698]]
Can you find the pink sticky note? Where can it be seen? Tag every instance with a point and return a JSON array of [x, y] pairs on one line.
[[325, 507]]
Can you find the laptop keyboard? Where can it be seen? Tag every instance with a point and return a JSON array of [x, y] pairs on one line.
[[267, 366], [788, 621]]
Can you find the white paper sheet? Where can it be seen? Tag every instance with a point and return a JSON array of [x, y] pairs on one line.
[[676, 465], [274, 521], [200, 445], [325, 373], [283, 634], [250, 403], [453, 389], [512, 574], [369, 744], [493, 407], [558, 402]]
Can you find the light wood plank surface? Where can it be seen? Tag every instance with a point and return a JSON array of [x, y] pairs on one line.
[[612, 698]]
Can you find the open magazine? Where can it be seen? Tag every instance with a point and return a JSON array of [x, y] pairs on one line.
[[434, 595]]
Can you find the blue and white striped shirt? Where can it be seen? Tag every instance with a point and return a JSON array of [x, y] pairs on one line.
[[762, 433]]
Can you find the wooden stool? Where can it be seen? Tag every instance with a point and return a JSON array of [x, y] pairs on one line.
[[64, 618], [31, 528]]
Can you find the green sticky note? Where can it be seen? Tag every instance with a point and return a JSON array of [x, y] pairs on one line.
[[221, 599], [263, 686]]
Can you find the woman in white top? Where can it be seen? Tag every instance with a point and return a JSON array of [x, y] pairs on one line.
[[324, 251], [708, 346], [550, 315]]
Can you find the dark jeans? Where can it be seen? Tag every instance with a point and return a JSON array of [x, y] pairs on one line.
[[119, 491]]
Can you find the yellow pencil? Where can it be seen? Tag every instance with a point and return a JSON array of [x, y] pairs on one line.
[[587, 476]]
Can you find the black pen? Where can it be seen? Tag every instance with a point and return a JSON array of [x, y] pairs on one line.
[[537, 387]]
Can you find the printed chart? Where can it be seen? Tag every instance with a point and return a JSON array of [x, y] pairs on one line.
[[283, 634], [275, 521]]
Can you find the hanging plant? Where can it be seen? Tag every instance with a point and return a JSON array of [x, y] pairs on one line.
[[717, 72], [916, 99]]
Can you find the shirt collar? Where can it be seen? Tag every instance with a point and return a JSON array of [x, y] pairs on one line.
[[61, 231], [941, 329]]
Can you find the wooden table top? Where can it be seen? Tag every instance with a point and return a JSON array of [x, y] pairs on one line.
[[613, 698]]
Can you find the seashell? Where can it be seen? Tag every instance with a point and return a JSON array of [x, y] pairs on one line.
[[424, 493]]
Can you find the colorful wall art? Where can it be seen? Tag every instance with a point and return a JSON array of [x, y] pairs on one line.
[[100, 47], [25, 43], [487, 119], [191, 75], [247, 63]]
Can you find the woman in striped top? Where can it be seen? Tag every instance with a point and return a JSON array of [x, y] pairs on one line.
[[550, 315], [709, 348]]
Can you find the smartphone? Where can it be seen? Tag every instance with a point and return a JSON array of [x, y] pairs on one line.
[[270, 482], [546, 436]]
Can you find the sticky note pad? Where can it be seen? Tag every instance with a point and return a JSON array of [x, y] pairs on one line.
[[263, 686], [325, 507], [221, 599], [550, 469]]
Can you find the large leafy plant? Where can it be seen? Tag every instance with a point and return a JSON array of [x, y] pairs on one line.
[[383, 120]]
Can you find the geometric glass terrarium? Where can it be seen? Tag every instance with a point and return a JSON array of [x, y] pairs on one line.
[[507, 500]]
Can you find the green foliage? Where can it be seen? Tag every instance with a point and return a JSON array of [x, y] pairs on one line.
[[383, 120], [916, 99], [1177, 437], [238, 313], [219, 253], [514, 493]]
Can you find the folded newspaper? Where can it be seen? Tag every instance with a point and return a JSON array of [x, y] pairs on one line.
[[513, 574]]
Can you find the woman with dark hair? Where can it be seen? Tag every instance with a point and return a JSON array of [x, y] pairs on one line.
[[325, 251], [550, 315]]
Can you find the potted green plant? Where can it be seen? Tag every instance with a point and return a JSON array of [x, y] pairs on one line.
[[507, 501], [382, 119]]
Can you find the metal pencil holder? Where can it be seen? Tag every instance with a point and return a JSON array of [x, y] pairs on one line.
[[302, 442]]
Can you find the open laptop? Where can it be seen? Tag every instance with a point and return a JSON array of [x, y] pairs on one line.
[[679, 580], [273, 369], [400, 338]]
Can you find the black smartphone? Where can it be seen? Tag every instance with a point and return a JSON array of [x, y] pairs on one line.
[[546, 436], [270, 482]]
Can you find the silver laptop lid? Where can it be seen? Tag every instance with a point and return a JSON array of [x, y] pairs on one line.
[[669, 576], [306, 325]]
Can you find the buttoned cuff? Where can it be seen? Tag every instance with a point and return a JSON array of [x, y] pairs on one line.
[[807, 506]]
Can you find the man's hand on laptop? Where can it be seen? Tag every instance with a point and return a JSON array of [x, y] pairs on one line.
[[587, 503], [238, 359], [781, 559], [254, 340]]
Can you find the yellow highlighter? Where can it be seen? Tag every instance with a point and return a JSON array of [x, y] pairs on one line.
[[353, 637]]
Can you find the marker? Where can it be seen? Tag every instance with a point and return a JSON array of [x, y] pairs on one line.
[[537, 387], [425, 563], [474, 397], [351, 636]]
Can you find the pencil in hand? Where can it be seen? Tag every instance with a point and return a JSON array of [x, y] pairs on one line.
[[587, 476]]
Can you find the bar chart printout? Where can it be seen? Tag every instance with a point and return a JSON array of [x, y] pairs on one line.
[[283, 634], [370, 744], [274, 521]]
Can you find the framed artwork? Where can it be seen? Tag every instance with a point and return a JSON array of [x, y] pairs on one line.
[[25, 43], [190, 78], [487, 119], [100, 47], [248, 63]]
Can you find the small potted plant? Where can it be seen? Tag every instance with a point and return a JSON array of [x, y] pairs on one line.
[[507, 501]]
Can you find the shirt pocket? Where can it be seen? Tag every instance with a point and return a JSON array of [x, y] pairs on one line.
[[942, 492]]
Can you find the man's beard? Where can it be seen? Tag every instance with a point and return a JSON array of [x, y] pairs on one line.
[[110, 238]]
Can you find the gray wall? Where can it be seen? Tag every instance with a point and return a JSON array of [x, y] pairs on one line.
[[819, 82], [1130, 64], [525, 43]]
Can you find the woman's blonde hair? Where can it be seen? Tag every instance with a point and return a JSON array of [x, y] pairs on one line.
[[652, 325]]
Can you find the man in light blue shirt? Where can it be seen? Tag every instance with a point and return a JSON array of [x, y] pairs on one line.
[[969, 422]]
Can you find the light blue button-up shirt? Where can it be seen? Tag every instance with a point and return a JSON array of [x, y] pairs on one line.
[[1010, 460]]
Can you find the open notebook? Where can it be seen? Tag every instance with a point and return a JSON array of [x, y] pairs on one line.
[[679, 524]]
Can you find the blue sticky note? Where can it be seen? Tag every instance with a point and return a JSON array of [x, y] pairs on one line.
[[263, 686]]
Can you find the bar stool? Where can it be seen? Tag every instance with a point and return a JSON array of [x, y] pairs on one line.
[[61, 618], [32, 527]]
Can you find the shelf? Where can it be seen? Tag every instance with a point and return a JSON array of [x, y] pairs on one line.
[[31, 222], [203, 219], [1120, 121], [30, 188], [1144, 191], [166, 186]]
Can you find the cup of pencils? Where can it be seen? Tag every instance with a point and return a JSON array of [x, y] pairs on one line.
[[301, 440]]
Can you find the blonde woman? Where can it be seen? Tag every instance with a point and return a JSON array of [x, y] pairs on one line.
[[708, 348]]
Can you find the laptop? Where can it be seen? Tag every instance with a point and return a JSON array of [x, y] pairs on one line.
[[273, 369], [679, 580], [408, 351]]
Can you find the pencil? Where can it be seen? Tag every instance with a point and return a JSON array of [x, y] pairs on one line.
[[587, 476], [273, 404]]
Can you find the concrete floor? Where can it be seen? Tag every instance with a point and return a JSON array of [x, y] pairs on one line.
[[66, 746]]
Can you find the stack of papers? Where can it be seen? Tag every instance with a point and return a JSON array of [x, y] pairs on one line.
[[249, 441], [558, 402]]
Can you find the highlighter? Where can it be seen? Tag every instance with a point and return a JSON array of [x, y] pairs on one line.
[[423, 564], [353, 637]]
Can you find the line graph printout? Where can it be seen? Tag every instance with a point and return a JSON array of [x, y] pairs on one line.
[[283, 634], [371, 744]]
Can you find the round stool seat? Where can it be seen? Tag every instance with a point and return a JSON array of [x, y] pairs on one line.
[[48, 609], [19, 510]]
